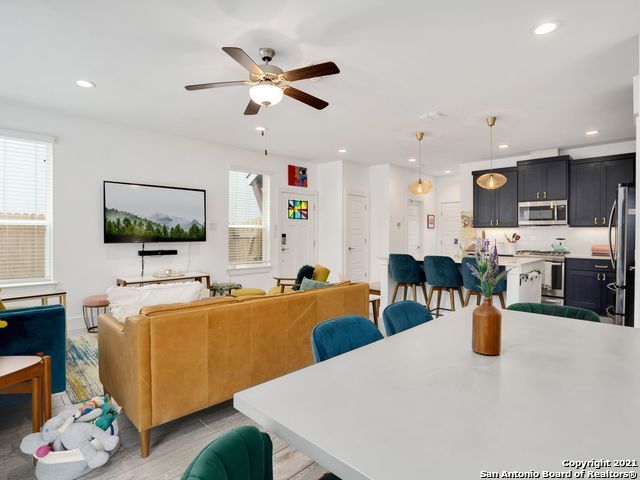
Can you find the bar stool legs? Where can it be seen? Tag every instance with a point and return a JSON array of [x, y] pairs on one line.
[[414, 289], [452, 299], [478, 296]]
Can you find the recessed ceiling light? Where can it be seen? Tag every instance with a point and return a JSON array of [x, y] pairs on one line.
[[412, 159], [592, 132], [85, 84], [504, 145], [545, 28], [261, 129], [447, 171], [342, 150]]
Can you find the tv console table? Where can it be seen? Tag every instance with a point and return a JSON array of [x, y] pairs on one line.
[[201, 277]]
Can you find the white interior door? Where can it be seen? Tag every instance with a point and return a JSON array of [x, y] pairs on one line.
[[297, 243], [414, 228], [357, 238], [450, 227]]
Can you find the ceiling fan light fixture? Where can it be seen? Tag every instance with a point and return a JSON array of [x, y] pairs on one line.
[[266, 94]]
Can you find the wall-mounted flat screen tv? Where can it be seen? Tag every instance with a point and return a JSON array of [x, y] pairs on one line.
[[135, 213]]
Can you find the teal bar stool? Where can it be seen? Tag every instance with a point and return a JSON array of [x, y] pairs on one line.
[[443, 275], [472, 284], [406, 272], [556, 311]]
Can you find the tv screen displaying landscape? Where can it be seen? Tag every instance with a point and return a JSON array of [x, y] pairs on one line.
[[151, 213]]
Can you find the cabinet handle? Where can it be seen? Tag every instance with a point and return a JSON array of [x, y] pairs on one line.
[[598, 276], [601, 266], [595, 220], [492, 222], [604, 221], [537, 194], [545, 194], [497, 222]]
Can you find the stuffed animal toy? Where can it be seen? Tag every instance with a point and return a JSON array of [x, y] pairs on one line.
[[92, 409], [62, 433]]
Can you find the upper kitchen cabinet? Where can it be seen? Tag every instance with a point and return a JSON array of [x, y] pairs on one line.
[[543, 179], [496, 208], [593, 185]]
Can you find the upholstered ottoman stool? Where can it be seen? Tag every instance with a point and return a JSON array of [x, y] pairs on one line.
[[91, 307]]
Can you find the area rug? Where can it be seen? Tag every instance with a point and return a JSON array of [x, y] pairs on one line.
[[82, 368]]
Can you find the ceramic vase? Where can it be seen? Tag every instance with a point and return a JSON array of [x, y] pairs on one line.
[[487, 326]]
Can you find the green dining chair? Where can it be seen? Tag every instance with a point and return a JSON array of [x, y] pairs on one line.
[[556, 311], [243, 453]]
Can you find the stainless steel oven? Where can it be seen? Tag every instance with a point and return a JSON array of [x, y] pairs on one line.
[[547, 212], [553, 282]]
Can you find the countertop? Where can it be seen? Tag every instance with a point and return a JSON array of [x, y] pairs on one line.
[[587, 256]]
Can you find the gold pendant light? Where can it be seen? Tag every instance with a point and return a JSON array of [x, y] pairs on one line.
[[491, 180], [420, 186]]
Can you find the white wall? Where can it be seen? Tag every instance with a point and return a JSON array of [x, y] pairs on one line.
[[88, 152]]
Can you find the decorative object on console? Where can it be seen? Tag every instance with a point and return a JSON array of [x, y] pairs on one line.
[[487, 319], [266, 80], [297, 176], [420, 186], [298, 209], [491, 180], [137, 213], [431, 221], [168, 273]]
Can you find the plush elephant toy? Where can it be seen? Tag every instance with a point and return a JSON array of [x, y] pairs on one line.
[[62, 433]]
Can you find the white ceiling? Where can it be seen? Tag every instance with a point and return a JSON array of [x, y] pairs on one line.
[[398, 59]]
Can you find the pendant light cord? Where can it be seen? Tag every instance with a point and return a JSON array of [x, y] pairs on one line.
[[491, 146], [419, 160]]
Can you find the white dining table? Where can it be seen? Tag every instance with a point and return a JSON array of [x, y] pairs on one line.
[[422, 405]]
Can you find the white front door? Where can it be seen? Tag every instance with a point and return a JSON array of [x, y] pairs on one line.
[[450, 227], [414, 228], [357, 238], [297, 243]]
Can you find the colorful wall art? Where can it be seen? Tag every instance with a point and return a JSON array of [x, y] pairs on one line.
[[298, 209], [297, 176]]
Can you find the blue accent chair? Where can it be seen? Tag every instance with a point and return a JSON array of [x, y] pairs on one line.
[[443, 275], [556, 311], [472, 284], [402, 316], [341, 335], [406, 272], [33, 330]]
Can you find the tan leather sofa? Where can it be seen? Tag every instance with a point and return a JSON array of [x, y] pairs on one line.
[[172, 360]]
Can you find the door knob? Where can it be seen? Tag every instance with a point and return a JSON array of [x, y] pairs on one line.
[[349, 248]]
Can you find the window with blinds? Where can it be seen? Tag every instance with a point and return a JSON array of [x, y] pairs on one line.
[[248, 219], [25, 210]]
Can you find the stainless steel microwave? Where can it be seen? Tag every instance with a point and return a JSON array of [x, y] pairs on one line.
[[547, 212]]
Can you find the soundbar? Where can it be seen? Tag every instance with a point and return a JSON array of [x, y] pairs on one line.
[[150, 253]]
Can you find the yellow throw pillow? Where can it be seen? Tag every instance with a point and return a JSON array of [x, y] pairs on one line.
[[320, 273]]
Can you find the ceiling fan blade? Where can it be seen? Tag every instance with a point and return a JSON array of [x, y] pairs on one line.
[[252, 108], [204, 86], [320, 70], [303, 97], [243, 59]]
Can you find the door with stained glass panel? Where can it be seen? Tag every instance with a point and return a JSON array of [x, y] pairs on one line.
[[297, 243]]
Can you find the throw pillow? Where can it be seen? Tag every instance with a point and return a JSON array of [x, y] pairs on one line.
[[127, 301], [311, 284], [305, 272]]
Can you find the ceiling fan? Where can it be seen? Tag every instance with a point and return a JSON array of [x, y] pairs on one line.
[[267, 81]]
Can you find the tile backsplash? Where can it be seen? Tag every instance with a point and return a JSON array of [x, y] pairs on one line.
[[578, 240]]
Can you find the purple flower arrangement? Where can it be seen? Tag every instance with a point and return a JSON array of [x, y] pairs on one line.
[[488, 268]]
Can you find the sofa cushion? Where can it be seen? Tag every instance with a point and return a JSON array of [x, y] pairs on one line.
[[246, 292], [311, 284], [305, 272], [320, 273], [127, 301]]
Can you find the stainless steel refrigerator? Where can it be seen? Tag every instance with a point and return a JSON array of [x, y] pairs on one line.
[[622, 241]]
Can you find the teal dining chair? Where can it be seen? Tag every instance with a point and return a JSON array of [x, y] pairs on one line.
[[402, 316], [341, 335], [243, 453], [556, 311]]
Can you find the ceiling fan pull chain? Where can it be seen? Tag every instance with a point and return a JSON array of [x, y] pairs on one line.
[[264, 132]]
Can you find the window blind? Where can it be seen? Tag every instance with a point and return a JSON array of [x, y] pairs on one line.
[[25, 210], [248, 219]]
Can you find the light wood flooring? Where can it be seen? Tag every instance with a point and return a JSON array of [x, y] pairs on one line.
[[173, 446]]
